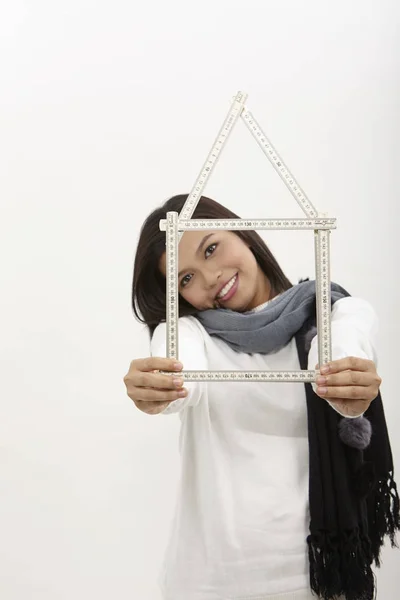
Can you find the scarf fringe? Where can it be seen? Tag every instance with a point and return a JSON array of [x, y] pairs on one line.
[[341, 565], [384, 515]]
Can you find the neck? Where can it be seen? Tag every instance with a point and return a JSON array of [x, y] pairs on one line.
[[265, 292]]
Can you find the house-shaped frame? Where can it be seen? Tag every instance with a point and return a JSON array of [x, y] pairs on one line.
[[174, 226]]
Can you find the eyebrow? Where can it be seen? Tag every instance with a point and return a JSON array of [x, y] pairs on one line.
[[203, 241]]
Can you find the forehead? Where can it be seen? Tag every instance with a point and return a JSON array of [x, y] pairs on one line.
[[191, 239]]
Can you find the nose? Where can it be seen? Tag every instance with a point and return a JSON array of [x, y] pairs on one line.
[[212, 278]]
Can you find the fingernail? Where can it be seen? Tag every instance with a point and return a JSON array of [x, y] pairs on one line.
[[322, 390], [178, 366], [178, 382], [325, 369], [321, 380], [182, 393]]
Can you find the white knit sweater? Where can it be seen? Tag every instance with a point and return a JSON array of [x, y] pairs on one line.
[[242, 517]]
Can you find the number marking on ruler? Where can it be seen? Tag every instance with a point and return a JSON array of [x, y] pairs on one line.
[[278, 164], [172, 285], [206, 170], [323, 292], [271, 376], [242, 224]]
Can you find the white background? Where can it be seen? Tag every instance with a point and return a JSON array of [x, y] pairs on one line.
[[107, 109]]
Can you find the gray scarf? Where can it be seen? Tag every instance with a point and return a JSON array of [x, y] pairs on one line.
[[272, 327]]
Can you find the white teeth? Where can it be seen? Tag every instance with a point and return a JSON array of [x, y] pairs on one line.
[[226, 288]]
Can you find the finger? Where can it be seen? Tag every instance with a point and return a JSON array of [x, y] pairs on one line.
[[349, 362], [151, 395], [156, 363], [359, 378], [348, 392], [157, 380]]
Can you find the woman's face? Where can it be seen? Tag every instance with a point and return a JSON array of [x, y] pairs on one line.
[[218, 267]]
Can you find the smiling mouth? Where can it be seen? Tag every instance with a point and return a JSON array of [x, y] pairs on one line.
[[227, 288]]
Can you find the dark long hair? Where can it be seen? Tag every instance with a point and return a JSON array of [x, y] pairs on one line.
[[149, 285]]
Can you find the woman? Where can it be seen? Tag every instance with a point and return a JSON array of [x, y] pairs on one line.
[[242, 523]]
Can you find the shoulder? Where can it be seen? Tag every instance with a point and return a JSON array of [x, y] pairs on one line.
[[189, 328], [185, 325], [355, 324], [353, 307], [191, 349]]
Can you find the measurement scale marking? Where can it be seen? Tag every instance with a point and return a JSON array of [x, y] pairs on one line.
[[278, 164], [323, 291], [272, 376], [206, 170], [172, 285], [242, 224]]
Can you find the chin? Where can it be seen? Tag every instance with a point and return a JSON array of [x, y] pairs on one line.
[[248, 306], [237, 308]]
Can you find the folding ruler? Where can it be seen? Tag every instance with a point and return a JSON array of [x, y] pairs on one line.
[[175, 225]]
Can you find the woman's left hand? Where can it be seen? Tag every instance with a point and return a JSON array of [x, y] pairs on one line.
[[350, 383]]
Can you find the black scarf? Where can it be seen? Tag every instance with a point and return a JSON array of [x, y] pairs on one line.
[[353, 497]]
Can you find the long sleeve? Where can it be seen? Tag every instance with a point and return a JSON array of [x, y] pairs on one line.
[[192, 355], [354, 325]]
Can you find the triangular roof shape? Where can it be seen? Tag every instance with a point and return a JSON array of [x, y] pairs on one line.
[[176, 224]]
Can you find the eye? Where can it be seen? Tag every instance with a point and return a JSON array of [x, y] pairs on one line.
[[185, 280], [212, 246]]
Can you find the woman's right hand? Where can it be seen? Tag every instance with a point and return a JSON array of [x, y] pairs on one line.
[[152, 391]]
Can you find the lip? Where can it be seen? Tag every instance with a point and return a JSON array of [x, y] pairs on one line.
[[231, 292]]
